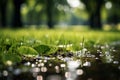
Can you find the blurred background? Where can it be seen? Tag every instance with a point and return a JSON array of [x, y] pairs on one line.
[[96, 14]]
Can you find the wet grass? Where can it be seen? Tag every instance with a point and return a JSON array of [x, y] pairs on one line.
[[32, 42]]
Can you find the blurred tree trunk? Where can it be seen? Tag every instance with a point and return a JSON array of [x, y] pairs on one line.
[[93, 8], [49, 9], [113, 17], [95, 17], [3, 5], [17, 14]]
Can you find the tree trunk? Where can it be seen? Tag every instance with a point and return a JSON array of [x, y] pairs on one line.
[[17, 14], [95, 18], [3, 13], [49, 10]]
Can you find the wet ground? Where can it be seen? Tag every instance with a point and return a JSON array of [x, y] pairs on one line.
[[103, 63]]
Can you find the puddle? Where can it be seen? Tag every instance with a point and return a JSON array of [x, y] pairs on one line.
[[102, 64]]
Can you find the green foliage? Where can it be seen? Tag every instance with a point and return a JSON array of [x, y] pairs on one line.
[[42, 49], [27, 51], [14, 58]]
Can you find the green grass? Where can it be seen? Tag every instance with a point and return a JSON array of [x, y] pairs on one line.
[[14, 44]]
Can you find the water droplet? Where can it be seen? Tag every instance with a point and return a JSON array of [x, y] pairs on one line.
[[102, 47], [45, 61], [67, 74], [114, 50], [98, 50], [5, 73], [39, 77], [72, 65], [87, 64], [27, 64], [57, 69], [115, 62], [35, 70], [81, 44], [36, 62], [79, 71], [33, 65], [62, 65], [21, 43], [41, 64], [50, 65], [40, 60], [43, 69], [96, 58]]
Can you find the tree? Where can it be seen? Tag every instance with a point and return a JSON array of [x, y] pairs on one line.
[[51, 9], [93, 8], [17, 14], [3, 5], [114, 13]]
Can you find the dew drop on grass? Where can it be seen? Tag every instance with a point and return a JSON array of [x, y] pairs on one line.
[[81, 44], [21, 43]]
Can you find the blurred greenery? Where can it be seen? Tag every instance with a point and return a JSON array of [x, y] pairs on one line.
[[24, 13]]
